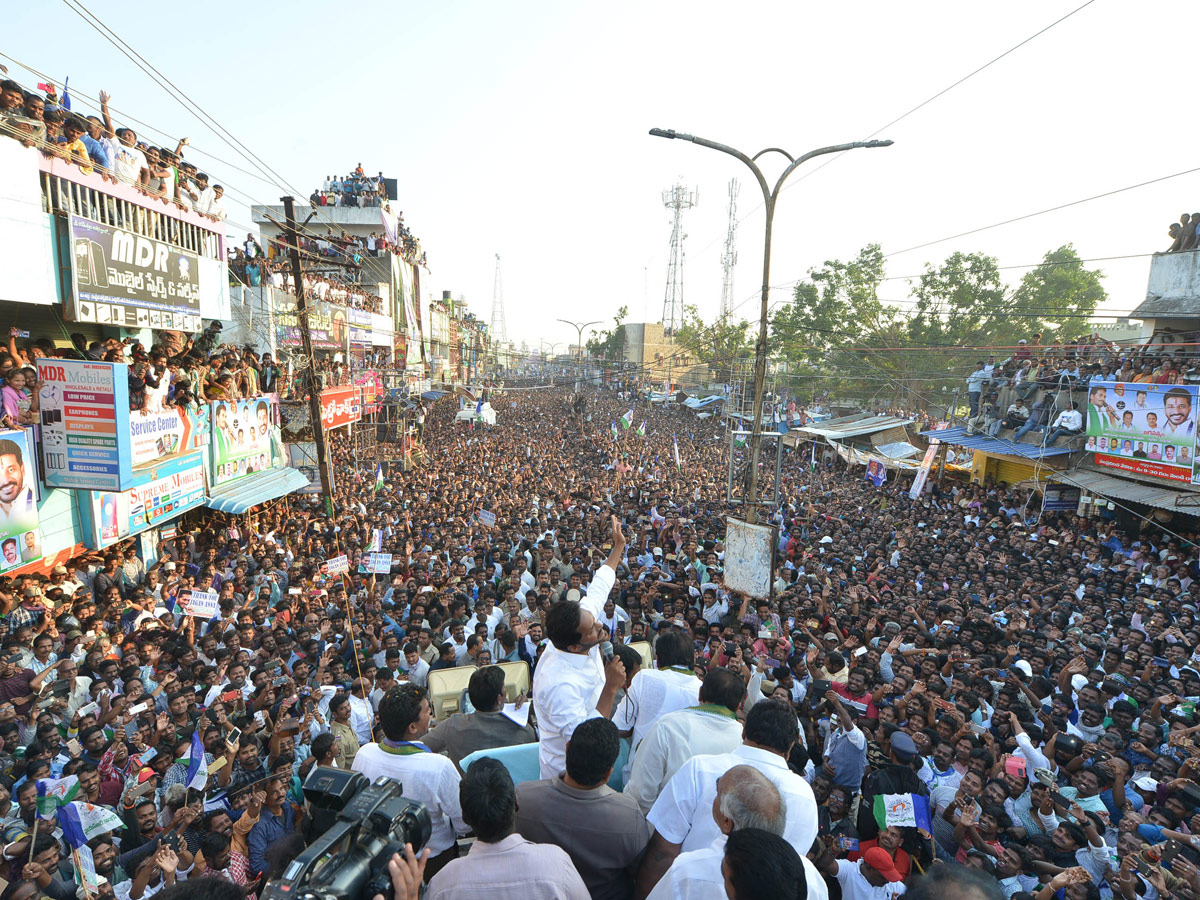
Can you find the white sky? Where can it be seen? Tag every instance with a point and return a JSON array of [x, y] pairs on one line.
[[522, 130]]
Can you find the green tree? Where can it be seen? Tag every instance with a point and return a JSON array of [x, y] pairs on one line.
[[609, 344], [718, 345], [1059, 296], [837, 306]]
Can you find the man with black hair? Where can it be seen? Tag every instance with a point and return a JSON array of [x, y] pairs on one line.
[[485, 728], [501, 865], [572, 683], [678, 814], [759, 865], [955, 883], [711, 726], [671, 686], [404, 715], [603, 832]]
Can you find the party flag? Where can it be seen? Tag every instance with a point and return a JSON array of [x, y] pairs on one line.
[[80, 822], [642, 429], [197, 776], [379, 478], [627, 419], [614, 429], [903, 810], [678, 464], [53, 793]]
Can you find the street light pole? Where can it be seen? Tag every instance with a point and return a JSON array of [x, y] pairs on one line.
[[769, 199], [579, 326]]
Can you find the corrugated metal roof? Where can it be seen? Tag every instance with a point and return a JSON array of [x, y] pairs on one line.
[[1173, 499], [987, 444], [898, 450], [853, 426], [1155, 306]]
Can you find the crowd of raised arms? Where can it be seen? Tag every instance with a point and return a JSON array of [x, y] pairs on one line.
[[1024, 684]]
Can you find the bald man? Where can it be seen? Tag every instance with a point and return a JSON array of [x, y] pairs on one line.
[[746, 798]]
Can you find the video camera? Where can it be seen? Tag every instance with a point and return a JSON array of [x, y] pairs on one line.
[[360, 826]]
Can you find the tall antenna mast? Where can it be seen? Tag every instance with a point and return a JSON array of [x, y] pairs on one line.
[[498, 329], [729, 257], [677, 199]]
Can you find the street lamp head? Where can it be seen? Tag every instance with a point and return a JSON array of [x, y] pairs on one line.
[[671, 134]]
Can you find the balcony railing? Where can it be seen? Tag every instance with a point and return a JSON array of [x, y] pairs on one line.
[[67, 191]]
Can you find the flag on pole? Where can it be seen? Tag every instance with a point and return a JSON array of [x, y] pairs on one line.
[[642, 429], [911, 810], [813, 464], [379, 478], [80, 822], [53, 793], [627, 419], [614, 430], [65, 102], [197, 775], [678, 464], [739, 440]]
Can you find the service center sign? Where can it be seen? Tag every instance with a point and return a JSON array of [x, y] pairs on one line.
[[162, 434], [340, 406], [85, 425]]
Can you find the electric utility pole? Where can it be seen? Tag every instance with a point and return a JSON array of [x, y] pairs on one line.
[[310, 378]]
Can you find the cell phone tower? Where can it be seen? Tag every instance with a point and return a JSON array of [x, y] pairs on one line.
[[729, 257], [677, 199], [498, 330]]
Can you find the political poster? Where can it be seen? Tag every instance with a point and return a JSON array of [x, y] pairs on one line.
[[20, 536], [337, 565], [245, 437], [379, 563], [876, 472], [202, 604], [1146, 429]]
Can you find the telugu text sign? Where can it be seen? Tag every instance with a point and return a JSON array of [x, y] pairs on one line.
[[126, 279], [340, 406]]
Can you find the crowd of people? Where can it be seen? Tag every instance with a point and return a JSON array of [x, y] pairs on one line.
[[95, 144], [356, 189], [1029, 679]]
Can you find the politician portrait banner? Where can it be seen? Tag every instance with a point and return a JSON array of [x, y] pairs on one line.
[[1148, 429], [20, 537], [245, 437]]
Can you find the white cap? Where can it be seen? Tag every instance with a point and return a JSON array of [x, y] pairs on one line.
[[1024, 667]]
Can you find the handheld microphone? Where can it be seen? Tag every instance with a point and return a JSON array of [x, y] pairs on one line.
[[606, 650]]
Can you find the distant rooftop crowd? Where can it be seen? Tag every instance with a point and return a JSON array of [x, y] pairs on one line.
[[249, 265], [94, 144]]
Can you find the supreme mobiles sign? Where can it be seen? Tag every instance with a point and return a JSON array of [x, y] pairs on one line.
[[340, 406]]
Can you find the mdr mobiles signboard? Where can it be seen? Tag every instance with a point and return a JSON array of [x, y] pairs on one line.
[[85, 421]]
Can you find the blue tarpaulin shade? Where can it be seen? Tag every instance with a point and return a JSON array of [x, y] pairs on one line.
[[960, 438], [239, 496]]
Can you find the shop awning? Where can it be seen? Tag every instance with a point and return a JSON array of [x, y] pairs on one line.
[[241, 495], [1169, 498], [1000, 446]]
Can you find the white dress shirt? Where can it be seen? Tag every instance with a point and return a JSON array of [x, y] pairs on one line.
[[428, 777], [567, 686], [418, 674], [651, 694], [696, 875], [683, 812], [362, 717], [674, 739]]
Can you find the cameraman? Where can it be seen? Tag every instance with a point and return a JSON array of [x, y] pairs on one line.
[[404, 715]]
